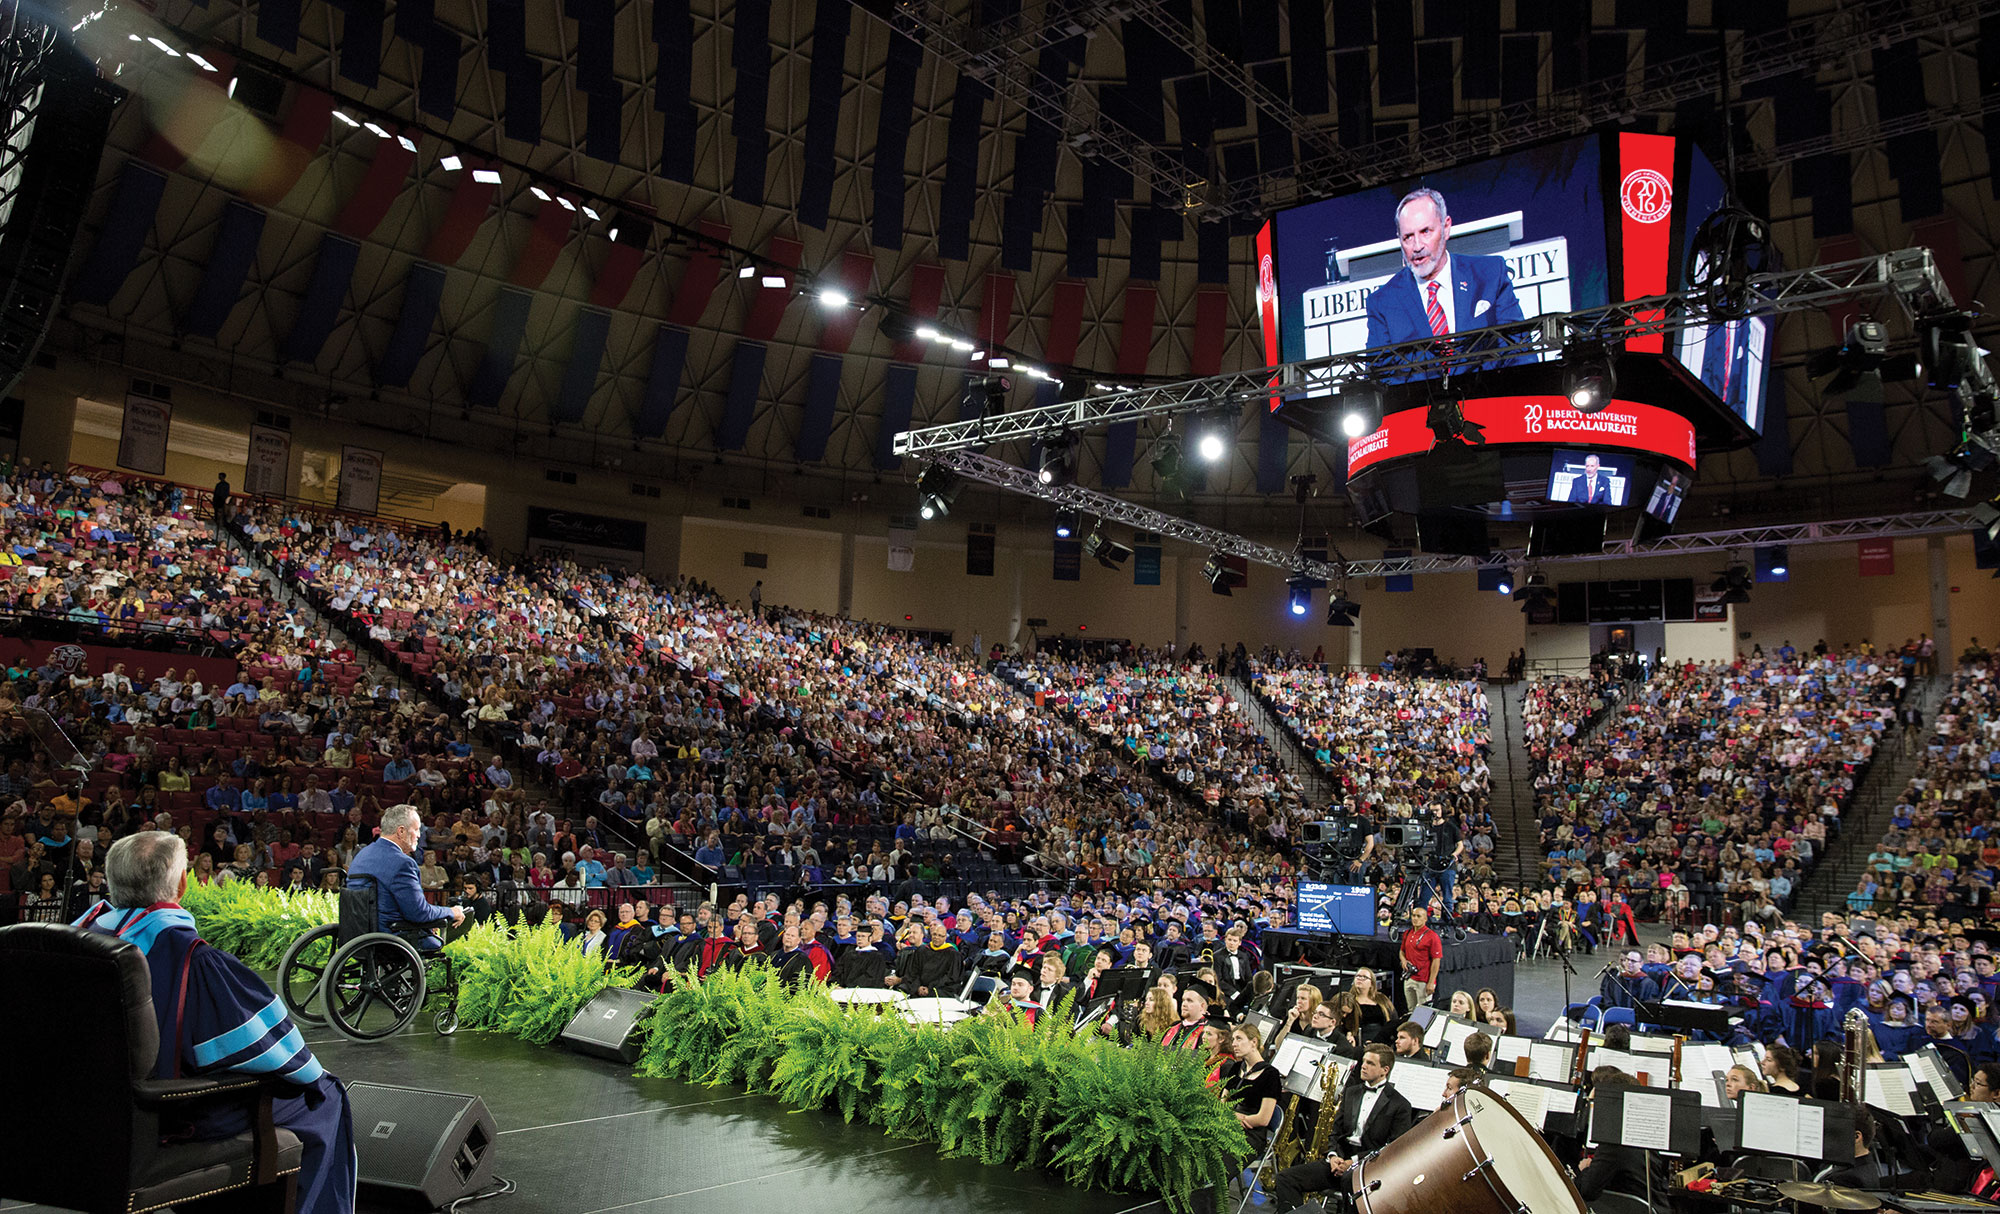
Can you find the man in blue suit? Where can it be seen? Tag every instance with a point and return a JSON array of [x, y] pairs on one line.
[[1438, 293], [399, 896]]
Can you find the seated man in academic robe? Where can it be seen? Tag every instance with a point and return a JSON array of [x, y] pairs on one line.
[[217, 1016]]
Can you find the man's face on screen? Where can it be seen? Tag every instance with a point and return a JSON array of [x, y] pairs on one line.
[[1423, 233], [1590, 466]]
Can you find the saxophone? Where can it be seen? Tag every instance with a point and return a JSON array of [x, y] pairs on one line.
[[1329, 1109], [1285, 1152]]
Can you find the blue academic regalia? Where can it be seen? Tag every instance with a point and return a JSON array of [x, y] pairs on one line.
[[230, 1021]]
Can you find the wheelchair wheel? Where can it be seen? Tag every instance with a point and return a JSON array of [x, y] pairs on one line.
[[445, 1022], [374, 987], [300, 972]]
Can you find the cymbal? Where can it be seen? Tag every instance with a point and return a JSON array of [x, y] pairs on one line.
[[1829, 1196]]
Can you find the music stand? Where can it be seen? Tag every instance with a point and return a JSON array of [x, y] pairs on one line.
[[1782, 1125], [1303, 1074], [1970, 1121], [1668, 1123]]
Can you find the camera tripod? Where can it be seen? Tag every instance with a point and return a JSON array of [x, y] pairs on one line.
[[1420, 876]]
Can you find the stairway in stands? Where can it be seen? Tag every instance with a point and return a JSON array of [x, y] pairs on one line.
[[1291, 756], [1517, 831], [1866, 817]]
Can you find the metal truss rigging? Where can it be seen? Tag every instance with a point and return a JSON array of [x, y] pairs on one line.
[[1000, 474], [1908, 275], [1072, 111], [1822, 38]]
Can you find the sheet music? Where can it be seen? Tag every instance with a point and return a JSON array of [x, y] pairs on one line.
[[1946, 1085], [1455, 1033], [1652, 1043], [1648, 1117], [1751, 1055], [1288, 1052], [1889, 1088], [1549, 1060], [1924, 1066], [1529, 1100], [1655, 1068], [1781, 1125], [1559, 1102], [1701, 1084], [1506, 1049], [1422, 1086], [1434, 1031]]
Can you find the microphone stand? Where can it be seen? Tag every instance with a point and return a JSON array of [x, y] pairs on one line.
[[68, 756]]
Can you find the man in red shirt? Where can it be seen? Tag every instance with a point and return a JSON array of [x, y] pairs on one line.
[[1423, 953]]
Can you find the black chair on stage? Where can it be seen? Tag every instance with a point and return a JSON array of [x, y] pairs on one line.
[[92, 1139]]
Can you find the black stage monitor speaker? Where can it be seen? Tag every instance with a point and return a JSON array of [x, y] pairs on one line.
[[418, 1149], [608, 1026]]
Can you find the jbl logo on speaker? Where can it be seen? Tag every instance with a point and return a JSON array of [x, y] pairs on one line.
[[383, 1129]]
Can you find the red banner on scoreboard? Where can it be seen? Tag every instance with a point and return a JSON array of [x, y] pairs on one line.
[[1645, 213], [1541, 420]]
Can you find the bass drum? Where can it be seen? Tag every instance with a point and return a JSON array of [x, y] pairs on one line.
[[1475, 1155]]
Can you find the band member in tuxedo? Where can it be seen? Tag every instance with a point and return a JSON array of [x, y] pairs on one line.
[[1233, 969], [1054, 983], [1372, 1115], [1410, 1042]]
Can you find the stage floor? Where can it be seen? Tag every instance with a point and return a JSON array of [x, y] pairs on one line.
[[580, 1135]]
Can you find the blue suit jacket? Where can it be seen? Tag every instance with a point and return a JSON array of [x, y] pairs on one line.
[[1396, 308], [399, 896]]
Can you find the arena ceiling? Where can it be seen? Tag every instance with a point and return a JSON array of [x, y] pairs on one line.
[[1077, 183]]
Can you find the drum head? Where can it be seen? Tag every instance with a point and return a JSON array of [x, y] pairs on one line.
[[1522, 1164]]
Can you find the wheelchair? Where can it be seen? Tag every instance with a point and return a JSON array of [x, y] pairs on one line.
[[367, 983]]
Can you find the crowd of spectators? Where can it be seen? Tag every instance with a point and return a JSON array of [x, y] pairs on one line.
[[132, 558], [1942, 851], [1713, 789], [1555, 710]]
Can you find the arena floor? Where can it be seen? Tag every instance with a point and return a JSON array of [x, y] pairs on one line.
[[580, 1135]]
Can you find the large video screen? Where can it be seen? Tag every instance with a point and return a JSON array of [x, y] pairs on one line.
[[1525, 236], [1734, 358], [1347, 909], [1668, 493], [1590, 478]]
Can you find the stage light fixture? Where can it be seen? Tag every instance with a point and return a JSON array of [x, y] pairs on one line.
[[1733, 583], [833, 297], [1360, 408], [1057, 465], [1589, 379], [350, 123], [1534, 592], [1446, 417], [591, 214], [1167, 459], [1862, 361], [1728, 248], [1986, 519], [406, 143], [1216, 571], [1109, 552], [1216, 429], [450, 164], [937, 489], [1506, 586], [1341, 610], [746, 272], [775, 282], [1298, 594], [536, 190], [927, 332], [486, 176], [1065, 523]]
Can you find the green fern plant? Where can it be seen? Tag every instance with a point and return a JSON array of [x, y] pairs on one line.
[[551, 979], [833, 1055], [1144, 1120]]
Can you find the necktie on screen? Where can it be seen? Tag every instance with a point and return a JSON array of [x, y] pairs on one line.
[[1435, 311]]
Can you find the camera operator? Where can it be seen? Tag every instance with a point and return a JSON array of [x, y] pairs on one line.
[[1444, 850], [1361, 844]]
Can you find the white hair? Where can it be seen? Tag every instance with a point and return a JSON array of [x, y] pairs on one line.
[[1422, 191], [400, 817], [145, 868]]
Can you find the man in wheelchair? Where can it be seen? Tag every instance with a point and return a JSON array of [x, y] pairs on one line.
[[389, 865]]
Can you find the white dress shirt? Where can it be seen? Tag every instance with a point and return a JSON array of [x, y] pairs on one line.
[[1447, 295]]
